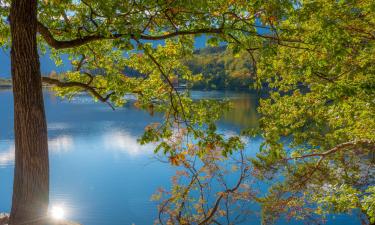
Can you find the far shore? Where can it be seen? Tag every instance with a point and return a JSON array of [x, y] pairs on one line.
[[5, 82]]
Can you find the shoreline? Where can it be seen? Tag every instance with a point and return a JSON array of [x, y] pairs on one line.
[[4, 220]]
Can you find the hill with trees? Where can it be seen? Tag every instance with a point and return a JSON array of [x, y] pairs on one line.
[[220, 69]]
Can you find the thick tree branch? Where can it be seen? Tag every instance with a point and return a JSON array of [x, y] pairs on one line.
[[57, 44], [61, 44], [51, 41]]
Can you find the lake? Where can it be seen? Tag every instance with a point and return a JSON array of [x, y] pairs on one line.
[[99, 172]]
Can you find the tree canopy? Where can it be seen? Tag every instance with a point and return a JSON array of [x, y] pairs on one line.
[[318, 123], [315, 57]]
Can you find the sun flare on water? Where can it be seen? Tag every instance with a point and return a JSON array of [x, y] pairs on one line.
[[57, 212]]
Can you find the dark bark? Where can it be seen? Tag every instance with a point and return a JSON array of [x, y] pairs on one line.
[[31, 173]]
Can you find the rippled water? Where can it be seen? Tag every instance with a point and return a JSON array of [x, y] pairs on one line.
[[99, 173]]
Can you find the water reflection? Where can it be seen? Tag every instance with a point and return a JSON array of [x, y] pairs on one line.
[[58, 126], [122, 141], [243, 112], [60, 144], [7, 156], [99, 172]]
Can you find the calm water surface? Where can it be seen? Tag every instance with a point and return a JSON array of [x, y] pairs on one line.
[[99, 173]]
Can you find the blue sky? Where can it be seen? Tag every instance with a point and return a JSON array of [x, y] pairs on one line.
[[47, 65]]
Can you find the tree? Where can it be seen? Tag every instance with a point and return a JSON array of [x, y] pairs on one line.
[[31, 174], [316, 57], [318, 122], [96, 34]]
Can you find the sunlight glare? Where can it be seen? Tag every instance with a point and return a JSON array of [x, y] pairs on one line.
[[57, 212]]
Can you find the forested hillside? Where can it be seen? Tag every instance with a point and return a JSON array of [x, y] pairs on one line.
[[220, 69]]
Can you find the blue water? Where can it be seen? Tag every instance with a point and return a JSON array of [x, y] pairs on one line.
[[99, 173]]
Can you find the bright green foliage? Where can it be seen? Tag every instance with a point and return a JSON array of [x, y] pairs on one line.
[[319, 121], [342, 198]]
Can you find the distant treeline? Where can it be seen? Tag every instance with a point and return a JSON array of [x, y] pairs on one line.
[[220, 69], [5, 82]]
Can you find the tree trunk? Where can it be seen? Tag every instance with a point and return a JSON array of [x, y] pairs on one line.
[[31, 173]]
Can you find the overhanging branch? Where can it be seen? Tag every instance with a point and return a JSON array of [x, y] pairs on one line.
[[339, 147], [57, 44], [83, 86], [60, 44]]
